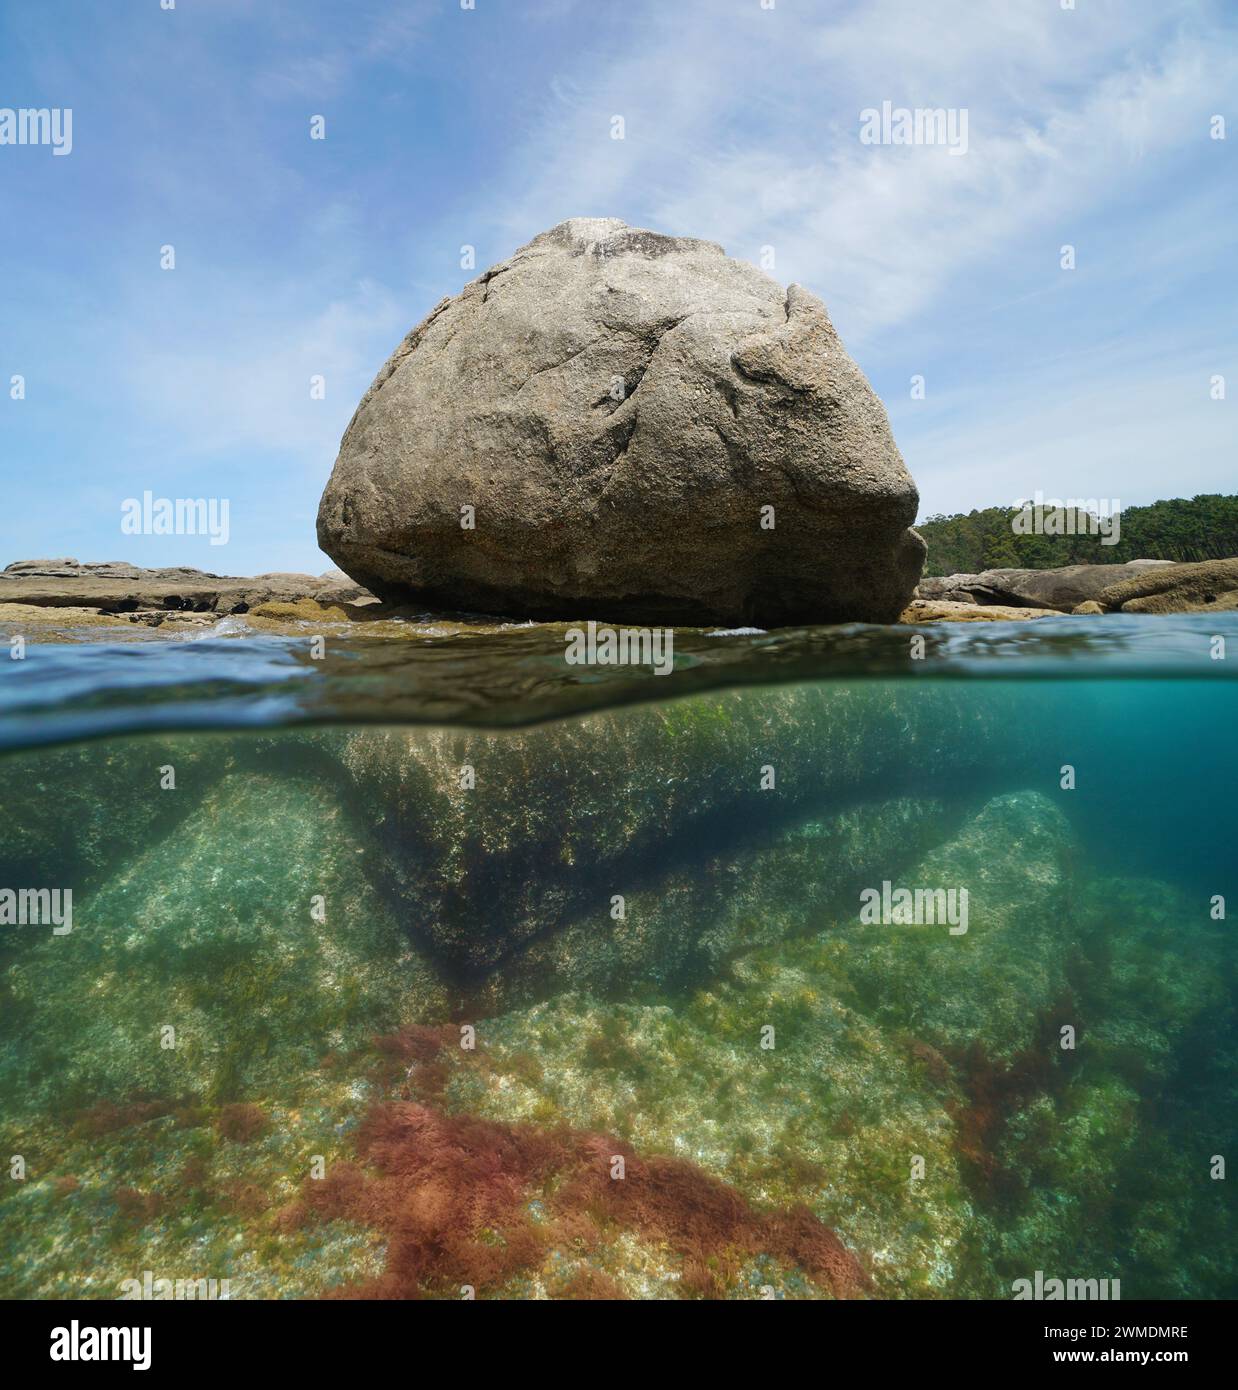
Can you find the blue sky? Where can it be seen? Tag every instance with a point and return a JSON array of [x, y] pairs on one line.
[[448, 127]]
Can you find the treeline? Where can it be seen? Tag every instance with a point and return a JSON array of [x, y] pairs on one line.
[[1196, 528]]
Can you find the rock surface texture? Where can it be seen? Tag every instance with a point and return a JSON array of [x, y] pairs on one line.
[[925, 610], [1062, 589], [1208, 586], [113, 586], [1140, 586], [618, 406]]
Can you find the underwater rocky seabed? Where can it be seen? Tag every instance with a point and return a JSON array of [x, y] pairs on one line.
[[747, 1168]]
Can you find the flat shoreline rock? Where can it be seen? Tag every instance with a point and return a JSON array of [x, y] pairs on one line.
[[1062, 589], [921, 610], [117, 587], [109, 598]]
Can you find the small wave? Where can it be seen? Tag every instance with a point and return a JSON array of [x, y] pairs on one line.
[[231, 626]]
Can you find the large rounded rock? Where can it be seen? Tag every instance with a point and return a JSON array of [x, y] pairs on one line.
[[618, 407]]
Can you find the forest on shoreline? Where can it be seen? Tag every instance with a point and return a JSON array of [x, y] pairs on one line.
[[1204, 527]]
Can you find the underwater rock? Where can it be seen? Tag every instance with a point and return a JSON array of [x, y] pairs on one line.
[[617, 803], [820, 1070], [1108, 1171], [1139, 1015], [515, 1210], [259, 971], [996, 980], [654, 804], [594, 426], [765, 1082], [808, 1103], [794, 1077], [682, 927], [82, 807]]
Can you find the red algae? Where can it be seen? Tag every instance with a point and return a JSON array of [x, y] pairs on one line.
[[452, 1194], [242, 1122], [138, 1207], [995, 1091], [106, 1117]]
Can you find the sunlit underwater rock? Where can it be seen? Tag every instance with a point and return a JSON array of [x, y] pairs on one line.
[[212, 932], [863, 1108], [995, 980], [486, 845], [493, 842]]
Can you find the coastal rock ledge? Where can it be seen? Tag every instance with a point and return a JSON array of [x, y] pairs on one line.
[[617, 407]]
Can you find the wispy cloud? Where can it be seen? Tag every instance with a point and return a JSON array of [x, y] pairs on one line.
[[1062, 112], [244, 385]]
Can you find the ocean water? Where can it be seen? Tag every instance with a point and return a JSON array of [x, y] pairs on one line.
[[440, 968]]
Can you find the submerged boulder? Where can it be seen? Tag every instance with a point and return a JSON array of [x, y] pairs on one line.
[[259, 976], [502, 852], [619, 423]]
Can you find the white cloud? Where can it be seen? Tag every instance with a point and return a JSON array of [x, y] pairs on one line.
[[234, 385], [1096, 426], [745, 130]]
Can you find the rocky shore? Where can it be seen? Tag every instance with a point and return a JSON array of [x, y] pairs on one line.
[[100, 601], [617, 425], [1142, 586], [112, 592]]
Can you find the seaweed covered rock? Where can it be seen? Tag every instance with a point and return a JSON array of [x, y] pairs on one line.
[[767, 1083], [502, 855], [826, 1108], [982, 959], [610, 410], [81, 808], [1112, 1170], [257, 973], [684, 924], [648, 803]]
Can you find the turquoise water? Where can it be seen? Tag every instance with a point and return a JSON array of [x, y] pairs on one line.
[[440, 965]]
